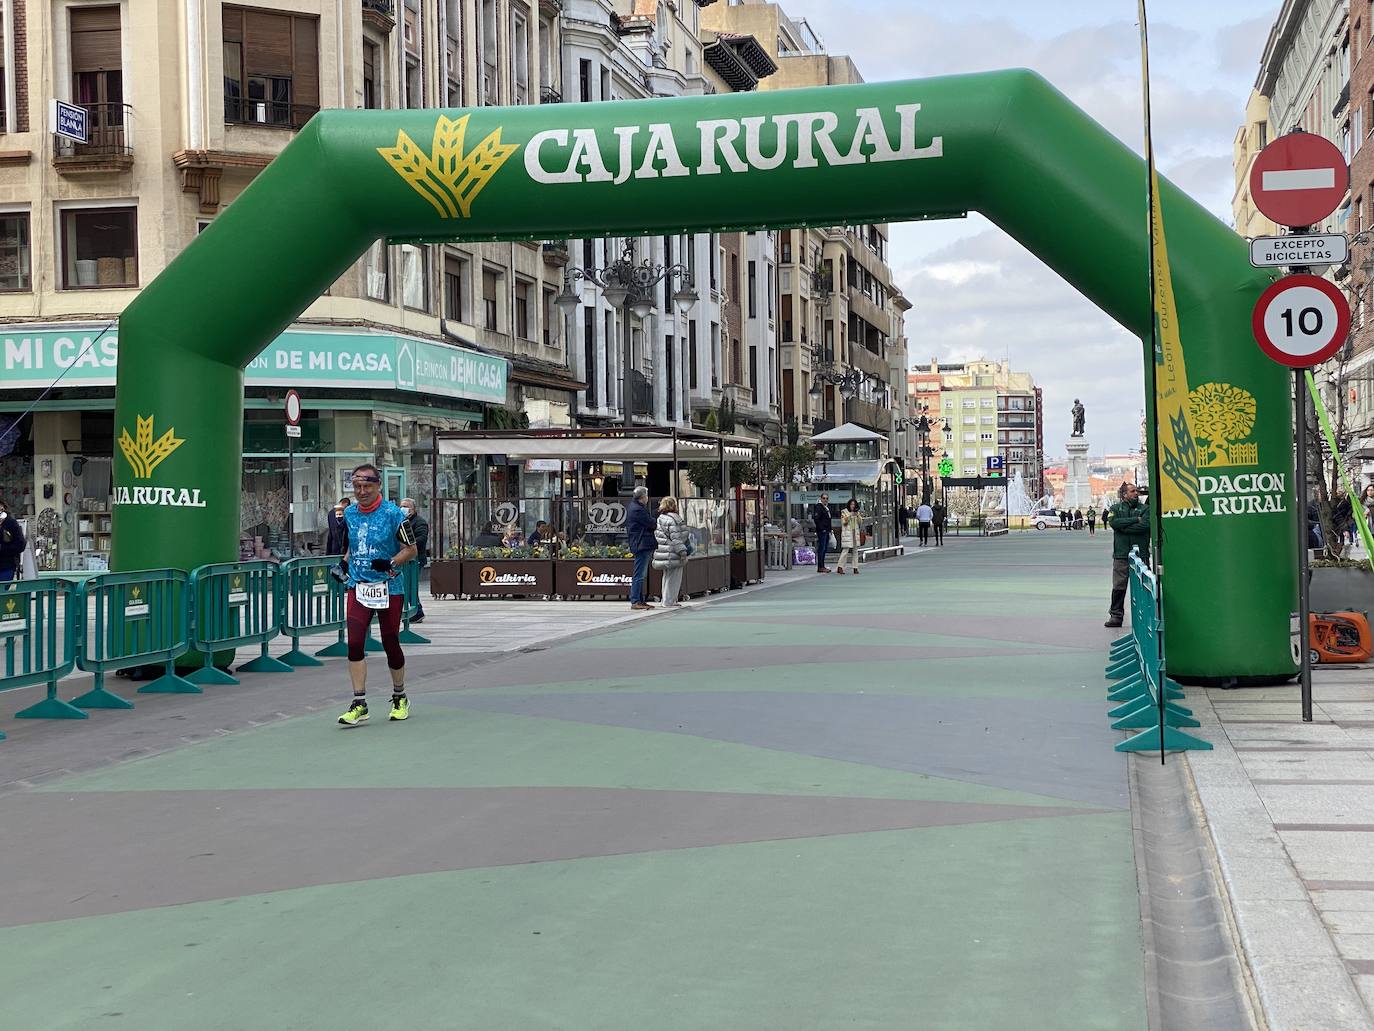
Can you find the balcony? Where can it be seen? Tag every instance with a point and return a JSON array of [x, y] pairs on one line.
[[109, 149], [555, 253], [380, 14], [549, 95], [875, 417], [271, 114]]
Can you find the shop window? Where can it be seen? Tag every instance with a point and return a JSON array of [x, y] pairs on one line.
[[99, 248], [15, 273], [415, 277], [271, 67]]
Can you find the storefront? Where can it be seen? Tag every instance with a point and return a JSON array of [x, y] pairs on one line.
[[367, 397]]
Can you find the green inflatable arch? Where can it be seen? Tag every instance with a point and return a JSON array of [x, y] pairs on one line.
[[1004, 143]]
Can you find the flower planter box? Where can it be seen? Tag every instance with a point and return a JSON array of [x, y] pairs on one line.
[[445, 578], [508, 578], [594, 577], [746, 567]]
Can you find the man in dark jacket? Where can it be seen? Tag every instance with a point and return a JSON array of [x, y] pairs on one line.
[[12, 543], [419, 532], [639, 529], [336, 540], [1129, 519], [820, 515], [938, 517]]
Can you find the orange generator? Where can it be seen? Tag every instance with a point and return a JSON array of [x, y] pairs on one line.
[[1339, 637]]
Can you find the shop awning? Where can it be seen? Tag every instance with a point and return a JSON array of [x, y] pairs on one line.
[[593, 449], [849, 433], [866, 472]]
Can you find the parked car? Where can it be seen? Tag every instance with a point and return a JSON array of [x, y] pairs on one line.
[[1046, 517]]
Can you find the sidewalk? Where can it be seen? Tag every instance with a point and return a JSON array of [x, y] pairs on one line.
[[1289, 808]]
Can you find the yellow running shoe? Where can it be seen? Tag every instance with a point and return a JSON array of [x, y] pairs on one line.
[[400, 707], [357, 713]]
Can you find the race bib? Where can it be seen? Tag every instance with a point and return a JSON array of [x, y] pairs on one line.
[[373, 595]]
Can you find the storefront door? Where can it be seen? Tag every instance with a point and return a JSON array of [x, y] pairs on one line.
[[394, 481]]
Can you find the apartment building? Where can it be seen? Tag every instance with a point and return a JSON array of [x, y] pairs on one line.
[[839, 309], [186, 103], [1251, 138]]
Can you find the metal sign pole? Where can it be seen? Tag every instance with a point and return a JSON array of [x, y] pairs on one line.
[[1304, 600], [291, 495]]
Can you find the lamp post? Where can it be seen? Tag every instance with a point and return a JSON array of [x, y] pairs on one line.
[[629, 287]]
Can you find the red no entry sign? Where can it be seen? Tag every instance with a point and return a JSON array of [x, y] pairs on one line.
[[1301, 321], [293, 408], [1299, 179]]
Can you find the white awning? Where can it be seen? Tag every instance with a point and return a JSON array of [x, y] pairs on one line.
[[593, 449], [849, 433], [866, 473]]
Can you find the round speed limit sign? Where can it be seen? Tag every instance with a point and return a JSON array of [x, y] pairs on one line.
[[1301, 320]]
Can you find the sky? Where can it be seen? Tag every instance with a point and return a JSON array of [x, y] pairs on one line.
[[976, 292]]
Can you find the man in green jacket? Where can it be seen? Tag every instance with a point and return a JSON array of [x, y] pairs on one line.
[[1129, 519]]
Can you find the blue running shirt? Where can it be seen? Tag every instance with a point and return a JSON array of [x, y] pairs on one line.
[[380, 533]]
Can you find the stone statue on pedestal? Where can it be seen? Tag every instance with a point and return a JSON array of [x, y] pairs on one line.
[[1079, 413]]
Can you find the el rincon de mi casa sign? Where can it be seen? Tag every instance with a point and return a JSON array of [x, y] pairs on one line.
[[86, 357], [1006, 144]]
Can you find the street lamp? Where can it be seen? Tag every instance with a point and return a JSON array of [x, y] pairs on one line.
[[629, 287]]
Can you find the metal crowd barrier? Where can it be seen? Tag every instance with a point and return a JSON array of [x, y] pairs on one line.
[[1137, 664], [133, 619], [234, 605], [410, 575], [39, 620], [312, 602]]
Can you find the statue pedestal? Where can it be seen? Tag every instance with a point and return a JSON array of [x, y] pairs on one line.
[[1078, 490]]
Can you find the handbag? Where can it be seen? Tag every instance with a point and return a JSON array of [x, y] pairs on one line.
[[803, 557]]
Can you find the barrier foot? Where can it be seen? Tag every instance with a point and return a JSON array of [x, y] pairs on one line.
[[1171, 740], [1146, 715], [1129, 706], [1120, 651], [1122, 669], [1135, 688], [210, 675], [51, 708], [337, 650], [98, 698], [409, 636], [1173, 719], [1178, 710], [1121, 641], [1172, 690], [170, 683], [296, 657], [264, 663]]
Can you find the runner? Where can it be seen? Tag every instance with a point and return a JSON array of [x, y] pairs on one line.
[[379, 543]]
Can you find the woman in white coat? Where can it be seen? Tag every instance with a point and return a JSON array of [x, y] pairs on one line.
[[851, 528], [670, 532]]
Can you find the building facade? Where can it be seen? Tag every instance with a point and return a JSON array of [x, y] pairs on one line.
[[1251, 138]]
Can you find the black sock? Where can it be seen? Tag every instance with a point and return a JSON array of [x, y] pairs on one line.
[[397, 693], [360, 698]]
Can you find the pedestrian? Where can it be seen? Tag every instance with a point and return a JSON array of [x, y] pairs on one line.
[[820, 515], [336, 536], [903, 519], [1063, 519], [1092, 521], [1367, 504], [1129, 519], [419, 530], [1078, 519], [938, 517], [12, 544], [851, 523], [379, 544], [924, 515], [639, 531], [670, 533]]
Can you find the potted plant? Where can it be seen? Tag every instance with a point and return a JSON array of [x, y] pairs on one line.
[[594, 570], [507, 572], [445, 574]]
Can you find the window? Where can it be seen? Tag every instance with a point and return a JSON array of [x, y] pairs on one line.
[[968, 402], [589, 354], [372, 83], [415, 276], [15, 271], [606, 84], [736, 362], [491, 283], [787, 247], [4, 113], [520, 55], [98, 75], [522, 310], [736, 288], [551, 316], [753, 290], [713, 255], [375, 267], [487, 54], [453, 53], [670, 366], [987, 436], [772, 289], [692, 355], [584, 81], [457, 306], [989, 402], [715, 354], [786, 318], [99, 248], [754, 370], [271, 67]]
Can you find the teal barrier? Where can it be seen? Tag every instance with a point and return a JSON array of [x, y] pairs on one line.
[[410, 574], [39, 622], [312, 602], [1137, 663], [129, 619], [234, 605]]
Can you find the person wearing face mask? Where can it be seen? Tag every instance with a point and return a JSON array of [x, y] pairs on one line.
[[419, 529], [336, 539], [12, 543]]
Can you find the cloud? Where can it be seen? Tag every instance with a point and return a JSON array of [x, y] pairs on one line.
[[985, 296], [1240, 46]]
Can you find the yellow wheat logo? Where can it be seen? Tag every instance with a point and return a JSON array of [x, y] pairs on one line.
[[1223, 418], [446, 177], [143, 453]]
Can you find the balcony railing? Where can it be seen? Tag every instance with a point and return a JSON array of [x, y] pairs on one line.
[[271, 113], [111, 137], [381, 13], [549, 95]]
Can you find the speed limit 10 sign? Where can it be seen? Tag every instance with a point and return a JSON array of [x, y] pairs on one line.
[[1301, 320]]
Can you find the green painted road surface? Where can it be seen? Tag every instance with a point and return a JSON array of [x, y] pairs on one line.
[[885, 801]]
